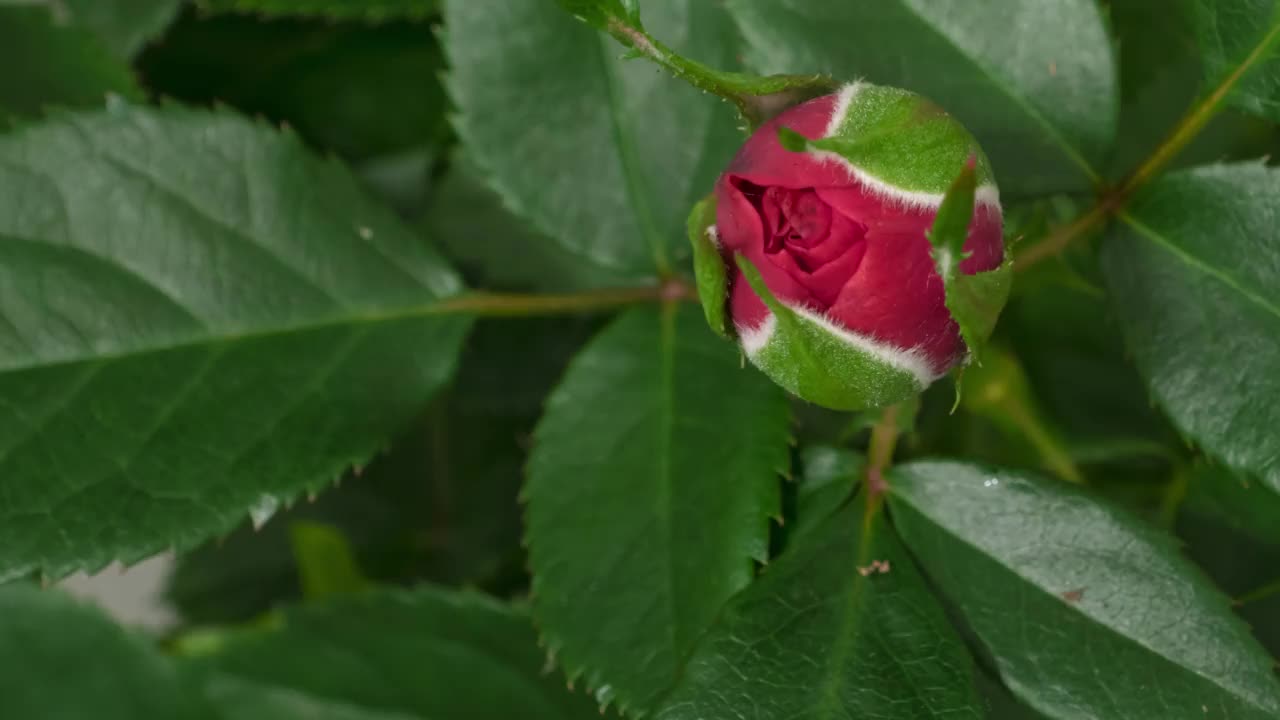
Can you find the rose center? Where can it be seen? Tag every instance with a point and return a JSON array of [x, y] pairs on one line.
[[794, 217]]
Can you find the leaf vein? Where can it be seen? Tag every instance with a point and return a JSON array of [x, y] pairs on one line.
[[1193, 262], [997, 82], [627, 158]]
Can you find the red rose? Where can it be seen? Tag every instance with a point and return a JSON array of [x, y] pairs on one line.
[[839, 243]]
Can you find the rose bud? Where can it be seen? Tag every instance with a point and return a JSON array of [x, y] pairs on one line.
[[823, 256]]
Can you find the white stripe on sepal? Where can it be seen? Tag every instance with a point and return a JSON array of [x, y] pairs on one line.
[[912, 361], [755, 339], [987, 195]]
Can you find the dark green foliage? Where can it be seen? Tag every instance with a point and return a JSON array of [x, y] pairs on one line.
[[1193, 268], [841, 625], [439, 504], [313, 76], [1041, 570], [50, 65], [268, 272], [677, 514]]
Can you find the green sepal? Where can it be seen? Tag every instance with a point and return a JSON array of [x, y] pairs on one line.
[[975, 301], [900, 139], [708, 266], [791, 140], [951, 223], [817, 365]]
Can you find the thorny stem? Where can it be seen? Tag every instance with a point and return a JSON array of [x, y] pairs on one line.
[[757, 98], [490, 304], [1059, 239], [1191, 125], [884, 438], [1112, 201]]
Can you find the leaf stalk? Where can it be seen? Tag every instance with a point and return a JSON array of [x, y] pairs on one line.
[[1112, 201], [490, 304]]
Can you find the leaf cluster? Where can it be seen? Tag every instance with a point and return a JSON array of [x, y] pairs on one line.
[[379, 316]]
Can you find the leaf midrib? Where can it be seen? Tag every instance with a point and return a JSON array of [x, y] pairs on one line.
[[124, 166], [666, 490], [829, 699], [998, 82], [1256, 53], [896, 491], [438, 308], [1195, 263], [125, 463], [627, 159]]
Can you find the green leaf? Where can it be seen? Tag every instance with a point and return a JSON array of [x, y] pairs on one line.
[[1240, 41], [199, 318], [326, 561], [125, 26], [367, 10], [240, 700], [830, 476], [1087, 611], [1161, 76], [1067, 338], [421, 653], [999, 391], [1192, 272], [1239, 556], [642, 520], [61, 66], [483, 238], [60, 659], [363, 92], [1243, 505], [602, 156], [1043, 110], [237, 577], [841, 626], [999, 702], [439, 505]]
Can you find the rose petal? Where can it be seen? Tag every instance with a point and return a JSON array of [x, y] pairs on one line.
[[897, 296], [985, 243], [738, 225], [763, 161], [843, 236], [854, 202], [825, 270], [747, 310], [777, 277], [830, 279]]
